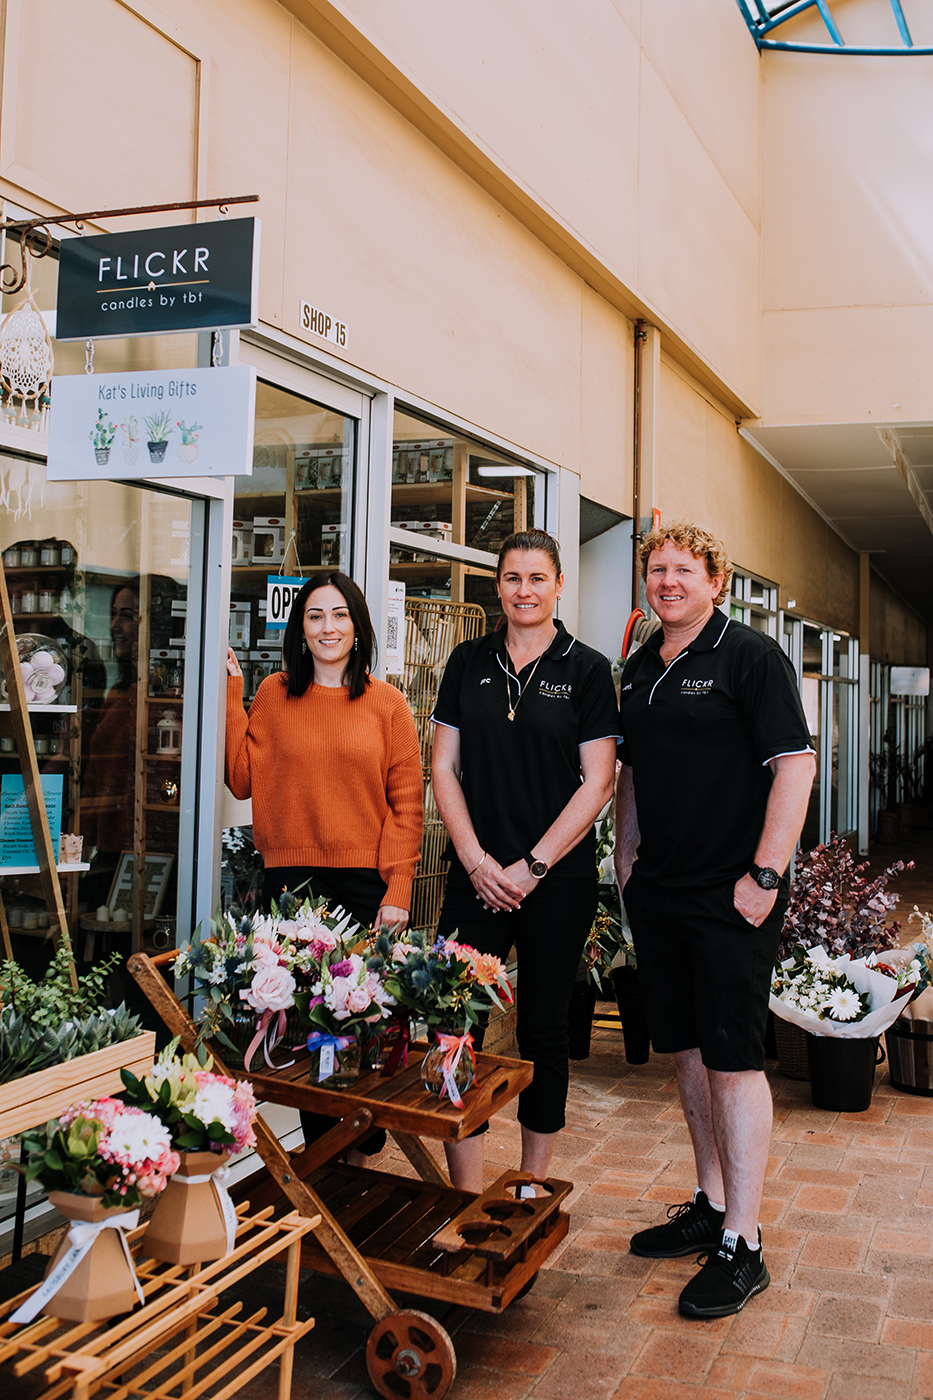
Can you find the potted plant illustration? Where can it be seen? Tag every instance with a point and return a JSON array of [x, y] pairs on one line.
[[188, 448], [102, 435], [130, 431], [158, 427]]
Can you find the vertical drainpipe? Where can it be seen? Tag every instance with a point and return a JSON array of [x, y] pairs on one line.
[[640, 338], [647, 387], [864, 700]]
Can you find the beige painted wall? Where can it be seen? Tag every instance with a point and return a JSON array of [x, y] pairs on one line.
[[847, 259], [622, 134], [898, 635], [708, 473]]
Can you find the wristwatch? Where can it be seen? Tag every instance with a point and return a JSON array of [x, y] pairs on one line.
[[765, 877], [537, 867]]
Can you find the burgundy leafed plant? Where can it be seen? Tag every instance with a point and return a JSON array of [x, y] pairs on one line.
[[834, 906]]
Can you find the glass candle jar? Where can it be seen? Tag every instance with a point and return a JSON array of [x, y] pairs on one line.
[[29, 556], [12, 557]]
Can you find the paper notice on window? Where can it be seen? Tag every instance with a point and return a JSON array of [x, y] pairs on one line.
[[395, 629]]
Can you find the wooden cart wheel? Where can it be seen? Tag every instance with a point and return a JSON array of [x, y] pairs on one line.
[[409, 1356]]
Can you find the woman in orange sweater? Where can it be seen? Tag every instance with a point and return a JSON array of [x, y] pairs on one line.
[[331, 759]]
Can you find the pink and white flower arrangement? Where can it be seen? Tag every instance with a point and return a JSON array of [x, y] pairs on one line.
[[103, 1148], [202, 1111]]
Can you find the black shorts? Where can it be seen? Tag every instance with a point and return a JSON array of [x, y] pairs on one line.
[[705, 972]]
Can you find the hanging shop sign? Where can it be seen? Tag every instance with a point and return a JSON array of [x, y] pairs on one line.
[[152, 423], [196, 277], [281, 592]]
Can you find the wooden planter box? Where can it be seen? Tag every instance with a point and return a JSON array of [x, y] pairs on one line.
[[35, 1098]]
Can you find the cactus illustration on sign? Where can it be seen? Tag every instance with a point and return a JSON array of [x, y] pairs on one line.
[[188, 448], [102, 435]]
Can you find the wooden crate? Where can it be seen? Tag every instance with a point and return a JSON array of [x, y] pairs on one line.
[[35, 1098]]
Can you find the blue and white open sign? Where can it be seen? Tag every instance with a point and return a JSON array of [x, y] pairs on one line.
[[281, 592]]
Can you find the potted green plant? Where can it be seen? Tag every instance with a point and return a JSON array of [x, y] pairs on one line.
[[158, 427], [102, 435]]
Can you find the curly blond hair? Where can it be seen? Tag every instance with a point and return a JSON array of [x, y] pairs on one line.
[[684, 534]]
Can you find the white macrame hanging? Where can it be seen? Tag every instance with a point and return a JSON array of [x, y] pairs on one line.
[[26, 362]]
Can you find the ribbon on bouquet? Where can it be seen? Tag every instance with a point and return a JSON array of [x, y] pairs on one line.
[[270, 1028], [328, 1045], [81, 1237], [218, 1179], [452, 1046], [399, 1052]]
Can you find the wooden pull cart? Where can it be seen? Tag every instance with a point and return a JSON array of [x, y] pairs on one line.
[[380, 1231]]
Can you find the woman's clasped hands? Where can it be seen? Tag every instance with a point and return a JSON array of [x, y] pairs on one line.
[[497, 888]]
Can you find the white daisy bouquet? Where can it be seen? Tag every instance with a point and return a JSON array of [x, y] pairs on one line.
[[849, 997]]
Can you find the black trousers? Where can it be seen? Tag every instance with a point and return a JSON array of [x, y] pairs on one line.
[[548, 933], [360, 892]]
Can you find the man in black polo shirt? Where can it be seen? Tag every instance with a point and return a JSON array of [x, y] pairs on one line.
[[717, 771]]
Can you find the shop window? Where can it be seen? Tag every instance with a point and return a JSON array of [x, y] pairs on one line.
[[754, 602], [455, 490], [98, 582], [293, 515]]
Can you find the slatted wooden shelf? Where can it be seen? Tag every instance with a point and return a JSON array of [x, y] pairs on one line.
[[395, 1223], [187, 1341], [401, 1102]]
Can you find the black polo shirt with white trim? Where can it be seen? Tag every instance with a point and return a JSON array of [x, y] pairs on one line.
[[698, 734], [519, 775]]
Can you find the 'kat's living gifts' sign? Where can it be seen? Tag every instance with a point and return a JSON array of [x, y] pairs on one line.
[[190, 278], [152, 423]]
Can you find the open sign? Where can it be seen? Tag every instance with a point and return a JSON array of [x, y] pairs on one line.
[[281, 592]]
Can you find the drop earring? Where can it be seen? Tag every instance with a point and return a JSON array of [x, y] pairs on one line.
[[304, 646], [356, 643]]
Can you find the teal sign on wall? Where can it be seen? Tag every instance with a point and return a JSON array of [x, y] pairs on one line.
[[195, 277]]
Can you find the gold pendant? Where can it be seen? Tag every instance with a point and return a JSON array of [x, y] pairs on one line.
[[511, 714]]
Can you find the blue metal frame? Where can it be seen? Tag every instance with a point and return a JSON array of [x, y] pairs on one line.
[[761, 23]]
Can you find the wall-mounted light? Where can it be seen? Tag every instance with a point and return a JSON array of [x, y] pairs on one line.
[[792, 602]]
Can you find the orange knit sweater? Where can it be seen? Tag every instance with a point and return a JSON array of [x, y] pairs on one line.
[[334, 781]]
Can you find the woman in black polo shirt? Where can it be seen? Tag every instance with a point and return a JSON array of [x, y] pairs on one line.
[[524, 760]]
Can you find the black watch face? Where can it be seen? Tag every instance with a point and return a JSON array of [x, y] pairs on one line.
[[768, 879], [538, 869]]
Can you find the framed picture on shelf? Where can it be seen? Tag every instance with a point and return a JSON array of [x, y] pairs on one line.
[[157, 870]]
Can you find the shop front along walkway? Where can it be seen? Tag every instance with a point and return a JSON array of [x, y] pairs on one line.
[[848, 1229]]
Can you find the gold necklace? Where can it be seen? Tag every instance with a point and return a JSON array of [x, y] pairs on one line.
[[521, 688]]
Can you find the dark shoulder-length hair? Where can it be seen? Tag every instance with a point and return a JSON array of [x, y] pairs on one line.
[[299, 663]]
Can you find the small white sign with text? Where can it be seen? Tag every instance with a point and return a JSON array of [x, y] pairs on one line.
[[311, 318], [152, 423]]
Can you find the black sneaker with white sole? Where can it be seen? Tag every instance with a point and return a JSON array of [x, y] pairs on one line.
[[730, 1275], [691, 1227]]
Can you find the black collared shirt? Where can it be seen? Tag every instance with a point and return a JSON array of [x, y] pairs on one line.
[[698, 734], [519, 775]]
